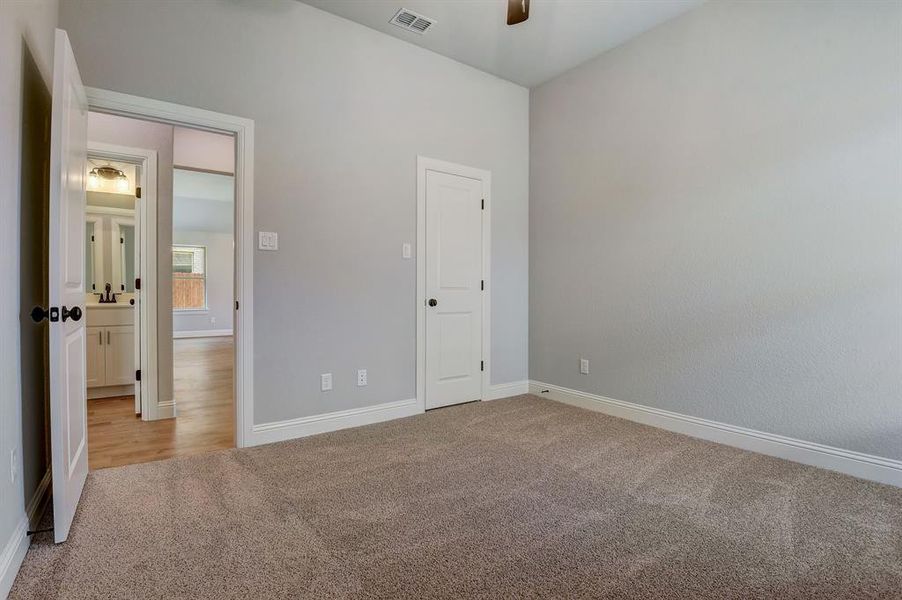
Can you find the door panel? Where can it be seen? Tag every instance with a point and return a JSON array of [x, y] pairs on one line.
[[453, 280], [68, 170], [120, 355], [94, 345], [75, 405]]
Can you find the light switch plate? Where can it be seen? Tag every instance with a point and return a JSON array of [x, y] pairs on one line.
[[584, 366], [325, 381], [268, 240], [405, 250]]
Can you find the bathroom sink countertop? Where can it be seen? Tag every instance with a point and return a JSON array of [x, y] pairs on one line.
[[109, 305]]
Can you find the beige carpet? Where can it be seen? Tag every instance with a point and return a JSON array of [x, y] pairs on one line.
[[520, 498]]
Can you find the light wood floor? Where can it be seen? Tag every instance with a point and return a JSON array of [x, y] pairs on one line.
[[202, 377]]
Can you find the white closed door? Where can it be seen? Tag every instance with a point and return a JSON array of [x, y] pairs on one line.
[[68, 172], [453, 289]]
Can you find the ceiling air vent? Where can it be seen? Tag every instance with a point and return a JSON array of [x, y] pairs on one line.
[[411, 21]]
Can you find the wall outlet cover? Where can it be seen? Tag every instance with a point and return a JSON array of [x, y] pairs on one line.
[[584, 366], [361, 377]]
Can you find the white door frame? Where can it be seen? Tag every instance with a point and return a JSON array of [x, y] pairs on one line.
[[145, 214], [243, 129], [425, 164]]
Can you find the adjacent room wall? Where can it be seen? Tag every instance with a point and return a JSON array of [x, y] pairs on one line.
[[204, 215], [220, 283], [341, 113], [715, 221], [26, 68]]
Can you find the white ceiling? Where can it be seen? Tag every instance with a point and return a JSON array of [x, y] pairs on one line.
[[559, 34]]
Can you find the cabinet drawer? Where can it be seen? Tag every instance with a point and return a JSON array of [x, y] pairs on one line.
[[102, 316]]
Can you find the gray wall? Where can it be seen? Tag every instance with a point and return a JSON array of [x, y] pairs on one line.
[[716, 221], [341, 112], [146, 135], [26, 48]]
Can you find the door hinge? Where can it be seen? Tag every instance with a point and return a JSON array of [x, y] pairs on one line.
[[138, 283], [482, 284], [236, 305], [483, 204], [482, 365], [138, 192], [121, 240], [122, 286], [138, 375]]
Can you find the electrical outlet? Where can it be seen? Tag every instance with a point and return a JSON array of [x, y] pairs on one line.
[[325, 382], [584, 366], [13, 465], [212, 320], [361, 377]]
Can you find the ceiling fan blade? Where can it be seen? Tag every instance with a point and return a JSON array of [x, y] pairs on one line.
[[517, 11]]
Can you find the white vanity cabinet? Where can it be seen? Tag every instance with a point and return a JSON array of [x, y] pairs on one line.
[[110, 350]]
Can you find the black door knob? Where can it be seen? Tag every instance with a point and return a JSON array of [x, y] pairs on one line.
[[39, 313], [433, 302], [74, 313]]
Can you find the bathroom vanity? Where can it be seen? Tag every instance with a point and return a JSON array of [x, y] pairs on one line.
[[110, 349]]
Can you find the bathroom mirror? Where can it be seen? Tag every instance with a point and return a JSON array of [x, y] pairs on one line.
[[110, 243]]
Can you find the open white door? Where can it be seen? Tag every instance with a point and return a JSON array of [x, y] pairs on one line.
[[68, 161]]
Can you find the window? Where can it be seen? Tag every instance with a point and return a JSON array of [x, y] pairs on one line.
[[189, 278]]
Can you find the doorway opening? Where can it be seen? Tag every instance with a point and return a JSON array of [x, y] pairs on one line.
[[160, 299]]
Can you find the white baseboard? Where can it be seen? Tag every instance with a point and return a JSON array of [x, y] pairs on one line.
[[865, 466], [35, 508], [201, 333], [12, 555], [110, 391], [278, 431], [165, 410], [506, 390]]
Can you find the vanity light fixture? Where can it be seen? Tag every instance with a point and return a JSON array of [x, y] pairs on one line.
[[109, 173]]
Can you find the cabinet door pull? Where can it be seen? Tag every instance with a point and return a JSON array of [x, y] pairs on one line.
[[107, 337], [100, 338]]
